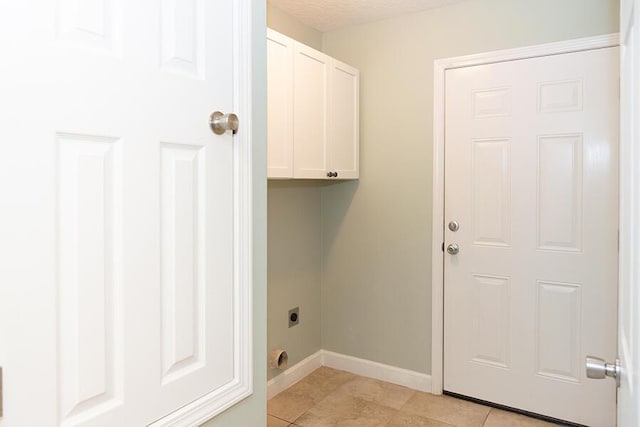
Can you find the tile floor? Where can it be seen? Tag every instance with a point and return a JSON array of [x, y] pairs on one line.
[[329, 397]]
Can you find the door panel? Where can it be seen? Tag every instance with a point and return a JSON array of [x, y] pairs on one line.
[[531, 177], [89, 258], [118, 234]]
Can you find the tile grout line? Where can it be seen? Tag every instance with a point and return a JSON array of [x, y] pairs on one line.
[[410, 397], [322, 399], [303, 414], [416, 392], [281, 419], [487, 417]]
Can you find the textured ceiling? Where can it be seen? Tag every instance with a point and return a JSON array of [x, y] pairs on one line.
[[327, 15]]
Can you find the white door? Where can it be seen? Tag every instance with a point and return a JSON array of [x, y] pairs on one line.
[[117, 209], [531, 177], [629, 293]]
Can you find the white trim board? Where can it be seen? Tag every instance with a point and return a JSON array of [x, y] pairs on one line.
[[437, 260], [366, 368], [292, 375], [379, 371]]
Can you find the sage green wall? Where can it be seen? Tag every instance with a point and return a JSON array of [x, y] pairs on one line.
[[252, 410], [294, 276], [294, 242], [376, 292]]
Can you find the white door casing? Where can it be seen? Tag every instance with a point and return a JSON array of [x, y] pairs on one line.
[[629, 272], [125, 222]]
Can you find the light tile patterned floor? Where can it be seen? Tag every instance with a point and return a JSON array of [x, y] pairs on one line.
[[328, 397]]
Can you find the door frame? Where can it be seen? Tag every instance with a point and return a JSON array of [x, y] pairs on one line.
[[437, 253], [629, 390]]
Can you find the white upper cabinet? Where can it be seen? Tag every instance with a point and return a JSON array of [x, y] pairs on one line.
[[313, 113]]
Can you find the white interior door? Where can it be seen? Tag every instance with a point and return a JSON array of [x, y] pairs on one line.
[[629, 292], [531, 177], [117, 301]]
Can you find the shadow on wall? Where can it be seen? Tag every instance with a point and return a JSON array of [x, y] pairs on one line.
[[294, 183], [341, 195]]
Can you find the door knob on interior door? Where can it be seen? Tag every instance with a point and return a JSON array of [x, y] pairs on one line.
[[598, 369], [453, 249], [220, 122]]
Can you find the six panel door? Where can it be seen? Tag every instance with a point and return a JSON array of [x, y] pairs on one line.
[[531, 176], [118, 304]]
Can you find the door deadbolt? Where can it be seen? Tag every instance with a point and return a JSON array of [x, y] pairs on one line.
[[454, 226]]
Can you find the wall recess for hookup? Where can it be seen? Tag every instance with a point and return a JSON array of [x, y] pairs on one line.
[[294, 316]]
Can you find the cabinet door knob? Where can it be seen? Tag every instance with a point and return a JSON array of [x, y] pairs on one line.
[[335, 174], [329, 174]]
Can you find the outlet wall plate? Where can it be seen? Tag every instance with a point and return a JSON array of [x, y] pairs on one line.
[[294, 316]]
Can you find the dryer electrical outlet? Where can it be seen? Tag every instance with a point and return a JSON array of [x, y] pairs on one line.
[[294, 316]]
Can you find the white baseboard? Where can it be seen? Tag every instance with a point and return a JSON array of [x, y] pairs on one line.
[[366, 368], [378, 371], [294, 374]]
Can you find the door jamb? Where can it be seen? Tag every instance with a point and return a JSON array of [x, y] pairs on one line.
[[437, 257]]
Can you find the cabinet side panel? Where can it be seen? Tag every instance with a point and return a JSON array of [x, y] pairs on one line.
[[280, 107]]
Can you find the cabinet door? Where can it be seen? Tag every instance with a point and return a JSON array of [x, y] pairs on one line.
[[310, 90], [342, 149], [279, 105]]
